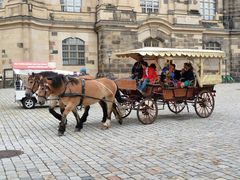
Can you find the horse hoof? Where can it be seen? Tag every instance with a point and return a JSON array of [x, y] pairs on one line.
[[77, 130], [60, 133], [120, 122], [104, 127]]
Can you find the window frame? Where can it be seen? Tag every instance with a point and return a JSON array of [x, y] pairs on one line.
[[73, 52], [1, 4], [67, 6], [150, 6], [151, 42], [208, 9], [213, 45]]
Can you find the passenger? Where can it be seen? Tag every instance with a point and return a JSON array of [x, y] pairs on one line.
[[186, 75], [177, 73], [83, 71], [149, 76], [168, 75], [137, 70], [164, 72]]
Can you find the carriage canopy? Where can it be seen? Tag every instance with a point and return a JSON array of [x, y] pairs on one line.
[[207, 64], [171, 52]]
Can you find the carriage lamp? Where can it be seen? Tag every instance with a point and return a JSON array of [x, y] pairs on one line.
[[109, 54]]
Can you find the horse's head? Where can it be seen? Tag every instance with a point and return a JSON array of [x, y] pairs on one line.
[[43, 93], [32, 84]]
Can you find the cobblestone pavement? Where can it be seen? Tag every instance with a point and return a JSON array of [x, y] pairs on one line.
[[178, 147]]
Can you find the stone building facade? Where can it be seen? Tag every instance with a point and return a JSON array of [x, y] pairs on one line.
[[81, 33]]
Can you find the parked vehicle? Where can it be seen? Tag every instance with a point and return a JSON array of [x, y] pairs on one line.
[[21, 71]]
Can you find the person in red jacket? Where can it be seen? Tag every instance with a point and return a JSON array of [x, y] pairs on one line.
[[149, 76]]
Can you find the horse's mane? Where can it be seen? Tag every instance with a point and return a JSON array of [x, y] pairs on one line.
[[56, 80], [48, 74], [59, 78], [72, 79]]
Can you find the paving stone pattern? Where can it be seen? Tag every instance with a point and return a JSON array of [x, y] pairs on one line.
[[177, 147]]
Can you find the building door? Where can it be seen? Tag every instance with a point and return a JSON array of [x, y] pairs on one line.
[[8, 78]]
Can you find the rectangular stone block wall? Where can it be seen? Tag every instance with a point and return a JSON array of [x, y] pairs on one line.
[[116, 41]]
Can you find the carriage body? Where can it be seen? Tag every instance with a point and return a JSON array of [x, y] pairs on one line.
[[207, 67]]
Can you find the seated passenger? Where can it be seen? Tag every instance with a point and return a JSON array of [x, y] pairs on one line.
[[168, 76], [149, 76], [137, 70], [186, 75]]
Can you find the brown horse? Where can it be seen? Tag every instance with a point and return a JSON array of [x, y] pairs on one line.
[[43, 95], [74, 92], [33, 85], [44, 92]]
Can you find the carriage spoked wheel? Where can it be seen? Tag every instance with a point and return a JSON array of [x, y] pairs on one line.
[[176, 106], [147, 111], [204, 104], [125, 109]]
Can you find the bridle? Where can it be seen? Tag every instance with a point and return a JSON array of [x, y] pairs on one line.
[[35, 82], [44, 96]]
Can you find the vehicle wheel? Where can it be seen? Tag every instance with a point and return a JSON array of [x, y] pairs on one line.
[[176, 106], [28, 103], [147, 111], [204, 104], [125, 109]]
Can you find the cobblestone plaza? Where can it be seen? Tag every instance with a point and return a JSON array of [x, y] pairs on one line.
[[181, 146]]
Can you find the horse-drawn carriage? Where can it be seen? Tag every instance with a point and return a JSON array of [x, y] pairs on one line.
[[207, 67]]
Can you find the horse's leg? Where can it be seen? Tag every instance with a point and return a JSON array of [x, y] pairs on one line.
[[51, 107], [104, 108], [79, 125], [62, 124], [54, 113], [85, 114], [107, 124], [115, 111]]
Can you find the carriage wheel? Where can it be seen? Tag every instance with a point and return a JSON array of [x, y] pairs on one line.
[[204, 104], [176, 106], [147, 111], [125, 109]]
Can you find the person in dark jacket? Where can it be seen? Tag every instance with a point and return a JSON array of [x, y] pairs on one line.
[[137, 70], [187, 74]]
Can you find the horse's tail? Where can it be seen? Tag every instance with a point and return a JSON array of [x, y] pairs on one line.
[[118, 96]]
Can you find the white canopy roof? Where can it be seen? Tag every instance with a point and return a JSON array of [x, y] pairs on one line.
[[170, 52], [26, 68]]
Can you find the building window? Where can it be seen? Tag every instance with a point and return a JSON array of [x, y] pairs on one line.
[[150, 42], [73, 51], [208, 9], [213, 46], [149, 6], [1, 3], [71, 5]]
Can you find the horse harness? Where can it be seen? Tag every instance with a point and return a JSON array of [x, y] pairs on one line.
[[82, 95]]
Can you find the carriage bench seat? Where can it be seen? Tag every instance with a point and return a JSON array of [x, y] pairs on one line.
[[126, 84]]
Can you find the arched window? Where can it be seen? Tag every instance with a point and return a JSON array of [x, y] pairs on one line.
[[73, 51], [71, 5], [208, 9], [149, 6], [1, 3], [213, 46], [150, 42]]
